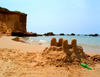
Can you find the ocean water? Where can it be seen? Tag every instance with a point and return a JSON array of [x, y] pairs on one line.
[[89, 43]]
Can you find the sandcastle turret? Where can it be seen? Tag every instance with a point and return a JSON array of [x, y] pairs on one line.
[[74, 42], [65, 44], [66, 48], [53, 42], [59, 43]]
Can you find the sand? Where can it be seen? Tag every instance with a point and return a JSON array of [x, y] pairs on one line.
[[19, 59], [7, 42]]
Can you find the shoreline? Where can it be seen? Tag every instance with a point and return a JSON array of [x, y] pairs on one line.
[[85, 48], [21, 44], [14, 42]]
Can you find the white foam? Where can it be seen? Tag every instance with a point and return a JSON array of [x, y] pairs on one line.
[[43, 41], [31, 40]]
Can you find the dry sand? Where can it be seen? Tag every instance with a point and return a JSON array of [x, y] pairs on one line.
[[24, 60], [7, 42]]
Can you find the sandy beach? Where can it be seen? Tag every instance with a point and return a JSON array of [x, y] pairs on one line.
[[19, 59]]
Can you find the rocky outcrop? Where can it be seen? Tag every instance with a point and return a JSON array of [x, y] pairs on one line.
[[62, 34], [49, 34], [21, 34], [72, 34], [12, 21], [93, 34]]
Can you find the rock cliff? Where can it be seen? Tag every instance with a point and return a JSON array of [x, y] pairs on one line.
[[12, 20]]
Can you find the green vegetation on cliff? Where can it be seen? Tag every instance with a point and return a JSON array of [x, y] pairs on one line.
[[18, 12], [5, 9]]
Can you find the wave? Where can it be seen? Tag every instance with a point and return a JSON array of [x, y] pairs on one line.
[[43, 41]]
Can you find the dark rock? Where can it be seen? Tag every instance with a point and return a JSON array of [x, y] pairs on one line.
[[93, 34], [49, 34], [39, 35], [62, 34], [21, 34], [85, 35], [17, 33], [72, 34], [90, 34]]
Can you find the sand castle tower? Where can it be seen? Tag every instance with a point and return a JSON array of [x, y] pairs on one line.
[[70, 52]]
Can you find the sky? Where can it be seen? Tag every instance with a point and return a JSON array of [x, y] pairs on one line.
[[58, 16]]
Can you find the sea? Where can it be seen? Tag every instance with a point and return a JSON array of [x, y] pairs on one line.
[[89, 43]]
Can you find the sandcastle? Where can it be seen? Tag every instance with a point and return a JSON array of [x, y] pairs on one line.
[[64, 51], [67, 48]]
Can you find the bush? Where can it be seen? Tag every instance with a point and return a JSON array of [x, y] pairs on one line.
[[17, 11], [4, 9]]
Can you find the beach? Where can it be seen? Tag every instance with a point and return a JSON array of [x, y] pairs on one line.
[[18, 59]]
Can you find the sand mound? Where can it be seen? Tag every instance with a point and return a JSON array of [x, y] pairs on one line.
[[61, 53]]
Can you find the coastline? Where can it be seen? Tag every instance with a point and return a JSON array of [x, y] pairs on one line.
[[21, 45], [42, 46], [23, 57], [45, 41]]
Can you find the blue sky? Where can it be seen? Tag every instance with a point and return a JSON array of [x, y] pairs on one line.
[[58, 16]]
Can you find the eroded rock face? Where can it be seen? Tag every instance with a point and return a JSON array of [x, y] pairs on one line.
[[12, 20], [3, 28], [9, 31], [68, 52]]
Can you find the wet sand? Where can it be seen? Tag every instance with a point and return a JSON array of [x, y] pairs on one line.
[[19, 59]]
